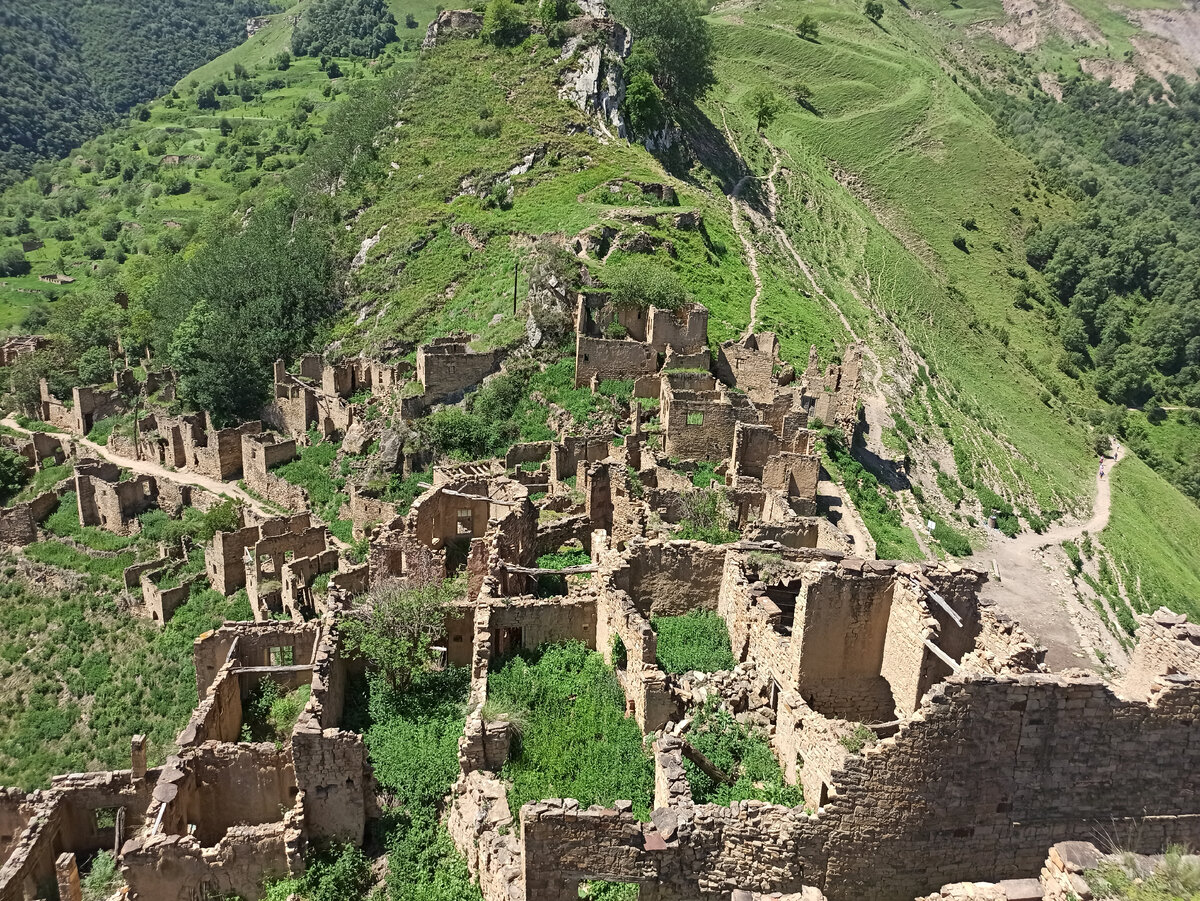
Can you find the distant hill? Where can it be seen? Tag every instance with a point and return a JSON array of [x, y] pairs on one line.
[[69, 67]]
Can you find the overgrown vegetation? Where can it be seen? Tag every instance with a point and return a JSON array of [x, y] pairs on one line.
[[576, 741], [270, 711], [694, 641], [742, 754], [71, 651], [1176, 878], [708, 516], [412, 738]]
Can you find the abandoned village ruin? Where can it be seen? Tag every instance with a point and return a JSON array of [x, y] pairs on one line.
[[983, 763]]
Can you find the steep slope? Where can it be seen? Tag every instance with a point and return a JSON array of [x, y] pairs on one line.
[[71, 66]]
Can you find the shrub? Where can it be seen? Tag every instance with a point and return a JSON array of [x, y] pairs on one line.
[[695, 641], [707, 516], [862, 736], [640, 284], [503, 23], [577, 742], [744, 755]]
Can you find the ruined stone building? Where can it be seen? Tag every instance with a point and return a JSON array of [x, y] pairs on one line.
[[650, 339]]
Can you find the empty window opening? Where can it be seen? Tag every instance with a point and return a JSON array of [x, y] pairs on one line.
[[283, 656], [105, 818], [695, 419]]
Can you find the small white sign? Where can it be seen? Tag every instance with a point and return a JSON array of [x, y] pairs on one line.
[[930, 525]]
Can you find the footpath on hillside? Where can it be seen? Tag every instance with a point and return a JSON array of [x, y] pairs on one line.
[[1035, 589]]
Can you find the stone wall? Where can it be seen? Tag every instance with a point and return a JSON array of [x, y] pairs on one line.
[[601, 359], [669, 578], [19, 523], [447, 367], [1167, 644]]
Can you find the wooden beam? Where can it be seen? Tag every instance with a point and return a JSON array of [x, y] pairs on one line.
[[704, 763], [942, 656], [478, 497], [569, 571], [297, 668]]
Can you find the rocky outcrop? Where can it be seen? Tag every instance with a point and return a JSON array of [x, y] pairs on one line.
[[594, 82], [452, 23]]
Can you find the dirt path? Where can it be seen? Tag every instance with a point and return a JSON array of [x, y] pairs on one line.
[[1035, 589], [735, 208], [145, 467]]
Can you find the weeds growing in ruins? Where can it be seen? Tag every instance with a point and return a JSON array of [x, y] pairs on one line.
[[862, 736], [1177, 878], [695, 641], [741, 753], [102, 879], [412, 738], [553, 586], [577, 742], [332, 874], [707, 517], [270, 712]]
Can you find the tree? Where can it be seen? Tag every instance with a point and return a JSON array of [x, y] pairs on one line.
[[807, 28], [13, 472], [674, 34], [765, 105], [246, 298], [803, 95], [874, 10], [95, 366], [13, 262], [394, 626], [503, 23], [640, 284], [644, 104], [410, 21]]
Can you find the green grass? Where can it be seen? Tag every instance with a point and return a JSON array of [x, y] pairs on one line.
[[78, 677], [43, 480], [576, 741], [694, 641], [412, 738], [315, 472], [1175, 878], [1153, 534], [741, 753]]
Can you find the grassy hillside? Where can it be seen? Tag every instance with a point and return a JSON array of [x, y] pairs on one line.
[[891, 163]]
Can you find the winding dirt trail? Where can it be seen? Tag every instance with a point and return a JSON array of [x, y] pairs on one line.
[[1035, 589], [145, 467]]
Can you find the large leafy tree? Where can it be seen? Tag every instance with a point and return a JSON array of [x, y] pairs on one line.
[[676, 44], [248, 296], [344, 28], [394, 626]]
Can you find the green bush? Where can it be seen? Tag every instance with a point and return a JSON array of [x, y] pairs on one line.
[[1006, 518], [742, 754], [695, 641], [639, 284], [577, 741]]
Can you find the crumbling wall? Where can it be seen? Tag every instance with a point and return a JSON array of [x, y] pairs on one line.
[[669, 578], [605, 358], [684, 330], [19, 523], [447, 367], [1167, 644], [482, 830]]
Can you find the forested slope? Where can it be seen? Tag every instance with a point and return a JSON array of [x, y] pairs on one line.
[[71, 66]]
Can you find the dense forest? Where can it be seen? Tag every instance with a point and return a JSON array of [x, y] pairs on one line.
[[344, 28], [72, 66], [1125, 270]]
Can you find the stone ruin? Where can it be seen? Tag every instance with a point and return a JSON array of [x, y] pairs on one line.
[[978, 758]]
